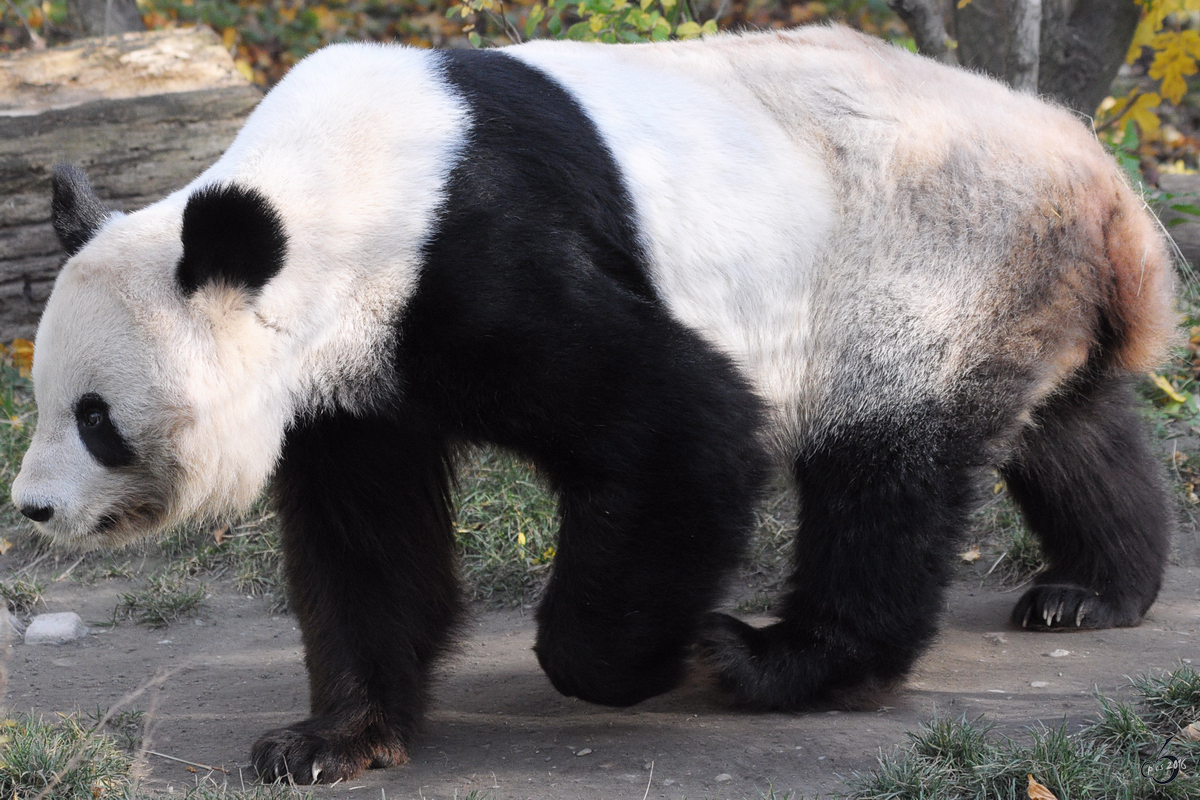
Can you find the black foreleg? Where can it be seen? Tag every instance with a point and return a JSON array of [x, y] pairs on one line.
[[657, 501], [368, 549], [1093, 493]]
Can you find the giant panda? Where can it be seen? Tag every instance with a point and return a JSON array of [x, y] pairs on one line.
[[659, 272]]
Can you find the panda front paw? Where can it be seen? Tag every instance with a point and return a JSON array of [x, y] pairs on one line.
[[311, 752], [1063, 606], [757, 675]]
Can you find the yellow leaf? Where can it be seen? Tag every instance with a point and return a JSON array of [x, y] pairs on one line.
[[326, 18], [971, 556], [688, 30], [1167, 388], [520, 538], [229, 37], [1141, 112], [5, 546], [22, 350], [964, 3], [1176, 58], [243, 66], [1039, 792]]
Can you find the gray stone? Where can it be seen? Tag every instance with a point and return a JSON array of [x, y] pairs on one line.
[[58, 628]]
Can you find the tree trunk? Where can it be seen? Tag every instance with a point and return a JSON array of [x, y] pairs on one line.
[[104, 17], [1084, 48], [926, 22], [1080, 43], [1024, 52]]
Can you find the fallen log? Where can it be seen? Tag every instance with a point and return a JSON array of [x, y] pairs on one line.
[[141, 113]]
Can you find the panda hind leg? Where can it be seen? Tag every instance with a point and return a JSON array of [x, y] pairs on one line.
[[881, 504], [1092, 491]]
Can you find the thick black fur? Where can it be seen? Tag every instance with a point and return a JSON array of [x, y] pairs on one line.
[[75, 211], [369, 553], [882, 503], [231, 235], [533, 327], [1091, 490]]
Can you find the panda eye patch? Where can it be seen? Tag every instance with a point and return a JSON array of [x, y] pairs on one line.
[[99, 435]]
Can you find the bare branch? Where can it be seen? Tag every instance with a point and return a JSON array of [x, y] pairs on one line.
[[924, 21]]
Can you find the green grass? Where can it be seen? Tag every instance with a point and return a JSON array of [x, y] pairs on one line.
[[165, 599], [957, 759], [18, 415], [247, 552], [506, 526], [22, 595], [62, 758]]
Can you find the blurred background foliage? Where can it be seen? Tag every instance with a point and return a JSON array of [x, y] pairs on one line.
[[266, 37]]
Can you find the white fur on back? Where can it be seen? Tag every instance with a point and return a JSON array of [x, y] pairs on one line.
[[732, 211]]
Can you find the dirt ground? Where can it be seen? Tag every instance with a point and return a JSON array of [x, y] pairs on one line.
[[497, 727]]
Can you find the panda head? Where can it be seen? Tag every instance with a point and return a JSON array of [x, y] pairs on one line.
[[148, 365]]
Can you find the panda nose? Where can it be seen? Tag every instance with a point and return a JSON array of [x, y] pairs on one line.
[[38, 513]]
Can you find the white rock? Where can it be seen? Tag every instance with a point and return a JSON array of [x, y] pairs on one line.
[[55, 628], [724, 777]]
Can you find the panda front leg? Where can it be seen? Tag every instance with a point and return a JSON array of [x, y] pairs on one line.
[[881, 504], [368, 549]]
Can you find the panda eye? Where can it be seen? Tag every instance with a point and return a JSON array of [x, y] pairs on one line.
[[99, 435]]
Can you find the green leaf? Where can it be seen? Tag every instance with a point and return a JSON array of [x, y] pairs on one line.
[[1130, 142], [688, 30], [1187, 208], [580, 31], [709, 28]]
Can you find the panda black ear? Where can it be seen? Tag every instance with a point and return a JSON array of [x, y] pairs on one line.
[[231, 235], [75, 211]]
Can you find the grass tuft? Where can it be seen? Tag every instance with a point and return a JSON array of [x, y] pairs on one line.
[[1174, 696], [165, 599], [22, 595], [1113, 758], [247, 551], [65, 755]]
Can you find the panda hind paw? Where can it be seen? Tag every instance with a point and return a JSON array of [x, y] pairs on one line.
[[1064, 607], [302, 754]]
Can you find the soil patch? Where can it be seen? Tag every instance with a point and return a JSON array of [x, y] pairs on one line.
[[497, 727]]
